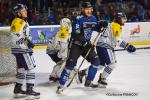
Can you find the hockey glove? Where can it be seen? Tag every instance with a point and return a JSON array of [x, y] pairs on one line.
[[130, 48], [103, 24], [88, 45], [30, 44]]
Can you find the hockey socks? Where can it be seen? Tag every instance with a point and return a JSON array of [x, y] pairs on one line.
[[107, 71], [92, 72], [64, 76]]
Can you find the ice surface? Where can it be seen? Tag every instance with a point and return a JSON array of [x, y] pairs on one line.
[[130, 76]]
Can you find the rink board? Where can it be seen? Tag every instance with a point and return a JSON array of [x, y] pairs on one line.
[[136, 33]]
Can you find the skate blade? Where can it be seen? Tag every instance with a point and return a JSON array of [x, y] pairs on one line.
[[93, 86], [59, 91], [18, 96], [32, 97], [101, 86]]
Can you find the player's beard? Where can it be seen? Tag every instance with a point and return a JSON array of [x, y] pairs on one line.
[[88, 14]]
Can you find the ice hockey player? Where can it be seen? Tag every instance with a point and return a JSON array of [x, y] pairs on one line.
[[57, 48], [82, 28], [23, 54], [105, 49]]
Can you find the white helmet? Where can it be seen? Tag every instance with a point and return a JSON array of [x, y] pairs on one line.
[[65, 22]]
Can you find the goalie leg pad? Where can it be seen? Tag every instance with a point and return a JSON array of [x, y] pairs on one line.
[[54, 57], [57, 69]]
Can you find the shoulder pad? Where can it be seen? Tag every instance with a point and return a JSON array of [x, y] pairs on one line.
[[18, 21], [16, 25]]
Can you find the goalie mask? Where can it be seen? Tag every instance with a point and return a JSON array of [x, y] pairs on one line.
[[65, 30], [65, 22]]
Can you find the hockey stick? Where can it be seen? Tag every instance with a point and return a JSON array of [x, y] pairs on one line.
[[141, 48], [94, 42]]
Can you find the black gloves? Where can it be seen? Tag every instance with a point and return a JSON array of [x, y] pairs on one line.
[[30, 44], [88, 45], [103, 24]]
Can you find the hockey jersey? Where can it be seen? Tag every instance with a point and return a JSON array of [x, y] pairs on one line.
[[83, 27], [109, 38], [63, 34], [20, 34], [59, 43]]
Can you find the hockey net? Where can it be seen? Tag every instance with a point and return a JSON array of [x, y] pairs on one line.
[[7, 60]]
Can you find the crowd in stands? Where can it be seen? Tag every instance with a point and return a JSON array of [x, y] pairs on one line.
[[49, 12]]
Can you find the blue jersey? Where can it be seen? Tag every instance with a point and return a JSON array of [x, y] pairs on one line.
[[83, 27]]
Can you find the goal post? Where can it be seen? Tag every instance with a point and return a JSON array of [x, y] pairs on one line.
[[7, 60]]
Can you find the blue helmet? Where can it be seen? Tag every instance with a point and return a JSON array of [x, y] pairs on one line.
[[18, 7]]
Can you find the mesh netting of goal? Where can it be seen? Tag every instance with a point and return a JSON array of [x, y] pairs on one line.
[[7, 60]]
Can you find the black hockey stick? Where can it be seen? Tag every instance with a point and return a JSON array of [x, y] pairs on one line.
[[140, 48], [94, 42]]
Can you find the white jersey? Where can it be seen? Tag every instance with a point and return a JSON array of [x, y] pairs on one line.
[[59, 43], [107, 39], [20, 33]]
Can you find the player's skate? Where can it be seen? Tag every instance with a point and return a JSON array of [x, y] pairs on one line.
[[102, 83], [31, 94], [88, 83], [18, 92], [53, 79], [79, 76], [59, 89]]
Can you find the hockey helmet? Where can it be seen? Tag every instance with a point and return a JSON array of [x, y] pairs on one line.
[[18, 8], [118, 16], [86, 5], [65, 22]]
